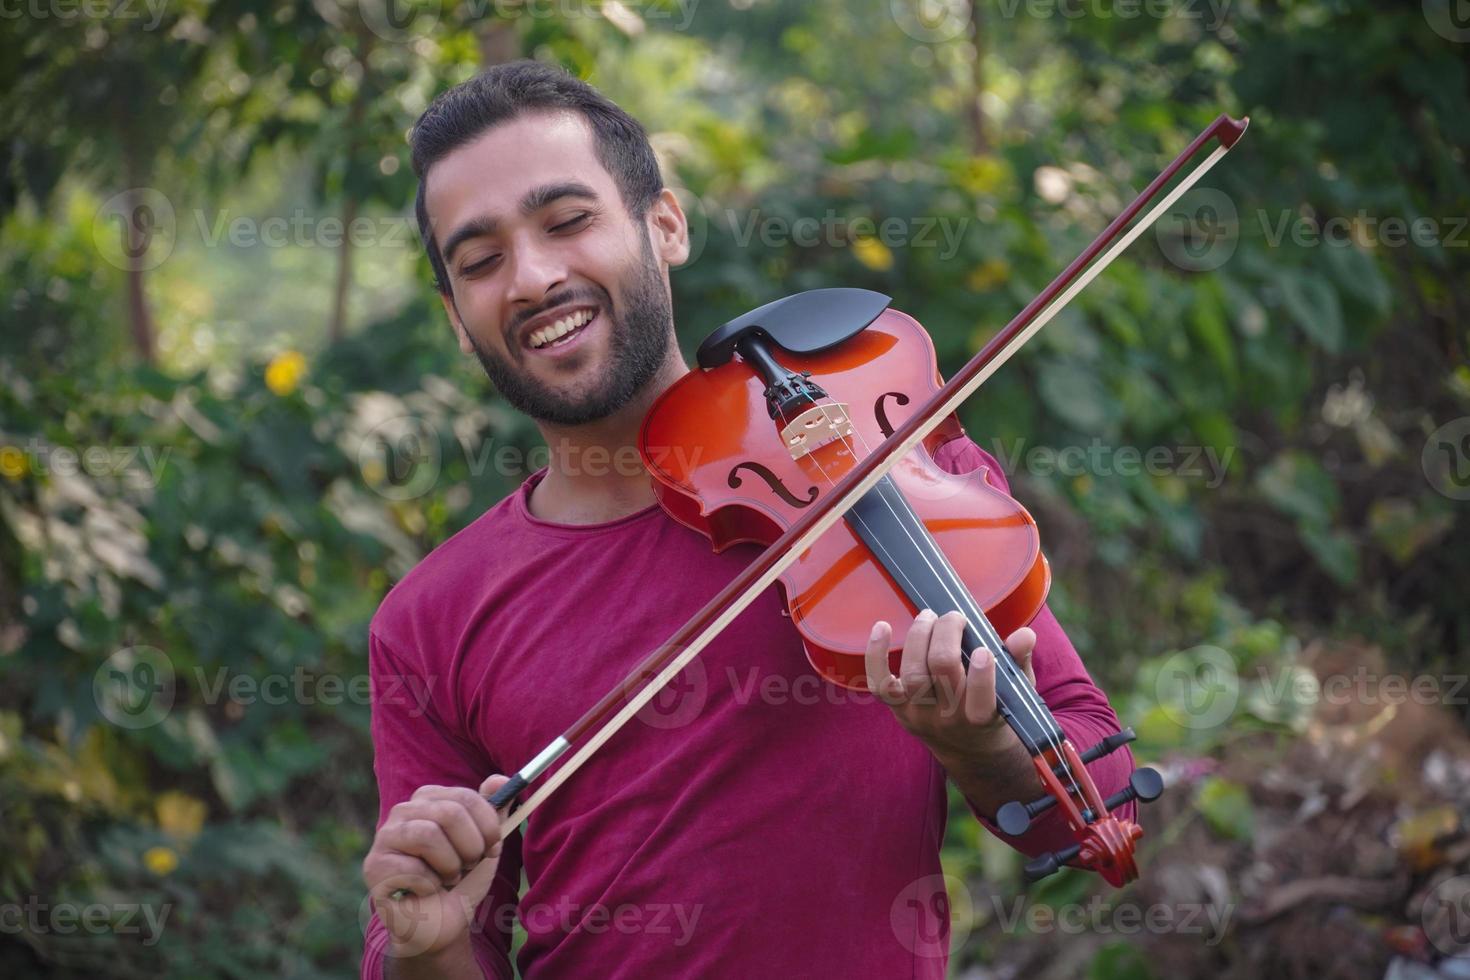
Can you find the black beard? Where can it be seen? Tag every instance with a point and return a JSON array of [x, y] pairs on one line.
[[638, 340]]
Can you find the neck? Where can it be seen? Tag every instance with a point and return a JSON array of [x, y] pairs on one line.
[[594, 473]]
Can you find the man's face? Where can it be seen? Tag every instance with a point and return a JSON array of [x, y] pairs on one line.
[[561, 294]]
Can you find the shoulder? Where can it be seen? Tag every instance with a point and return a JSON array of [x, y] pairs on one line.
[[961, 455], [442, 585]]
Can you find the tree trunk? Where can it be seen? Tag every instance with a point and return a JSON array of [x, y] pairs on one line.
[[979, 140], [337, 327], [135, 243], [500, 42]]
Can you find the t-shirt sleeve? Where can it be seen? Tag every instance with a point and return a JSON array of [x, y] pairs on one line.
[[413, 746], [1077, 703]]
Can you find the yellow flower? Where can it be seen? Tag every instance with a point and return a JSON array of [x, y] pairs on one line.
[[180, 814], [285, 372], [13, 463], [160, 860], [987, 275], [873, 254]]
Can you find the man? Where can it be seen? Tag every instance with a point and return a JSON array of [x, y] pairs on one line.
[[748, 828]]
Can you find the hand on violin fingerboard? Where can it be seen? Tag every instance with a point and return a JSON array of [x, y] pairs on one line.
[[952, 710]]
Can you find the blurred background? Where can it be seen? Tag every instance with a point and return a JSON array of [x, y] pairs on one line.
[[232, 415]]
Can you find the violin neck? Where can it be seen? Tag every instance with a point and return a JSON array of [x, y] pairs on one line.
[[902, 544]]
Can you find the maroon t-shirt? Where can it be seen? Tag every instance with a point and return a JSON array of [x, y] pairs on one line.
[[752, 820]]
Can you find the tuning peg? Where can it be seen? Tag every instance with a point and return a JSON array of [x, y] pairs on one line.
[[1108, 745], [1145, 786], [1049, 864], [1015, 817]]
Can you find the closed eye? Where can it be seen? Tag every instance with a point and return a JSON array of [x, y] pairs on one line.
[[573, 223], [479, 266]]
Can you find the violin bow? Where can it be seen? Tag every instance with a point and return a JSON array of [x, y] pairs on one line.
[[620, 704]]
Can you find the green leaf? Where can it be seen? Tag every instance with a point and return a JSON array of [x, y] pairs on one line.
[[1314, 305], [1226, 806], [1120, 961], [1296, 484], [1075, 395], [1335, 550]]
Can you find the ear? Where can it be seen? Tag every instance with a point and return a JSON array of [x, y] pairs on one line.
[[453, 311], [668, 228]]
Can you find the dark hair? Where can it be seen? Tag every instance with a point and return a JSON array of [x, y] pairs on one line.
[[504, 92]]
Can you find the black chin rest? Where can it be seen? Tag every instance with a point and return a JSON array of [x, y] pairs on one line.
[[802, 323]]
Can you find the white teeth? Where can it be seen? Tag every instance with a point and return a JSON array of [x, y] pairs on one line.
[[560, 328]]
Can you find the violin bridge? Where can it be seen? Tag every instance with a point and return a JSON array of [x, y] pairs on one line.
[[815, 427]]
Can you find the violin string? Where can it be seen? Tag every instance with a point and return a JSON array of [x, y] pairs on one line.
[[1022, 685], [1029, 698]]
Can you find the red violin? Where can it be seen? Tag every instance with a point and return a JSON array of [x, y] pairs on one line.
[[789, 398]]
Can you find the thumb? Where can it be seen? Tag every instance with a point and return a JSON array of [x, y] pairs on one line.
[[475, 885], [491, 784]]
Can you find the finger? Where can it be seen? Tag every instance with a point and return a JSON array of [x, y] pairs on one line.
[[485, 816], [452, 815], [459, 826], [980, 688], [913, 669], [424, 839], [881, 681], [1022, 644], [946, 668]]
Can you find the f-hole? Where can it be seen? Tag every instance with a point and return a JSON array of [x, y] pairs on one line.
[[773, 481], [899, 398]]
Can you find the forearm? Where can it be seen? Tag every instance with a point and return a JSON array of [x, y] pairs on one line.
[[992, 777]]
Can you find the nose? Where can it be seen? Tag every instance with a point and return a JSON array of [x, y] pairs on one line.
[[535, 271]]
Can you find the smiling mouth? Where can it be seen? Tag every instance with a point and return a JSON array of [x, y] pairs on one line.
[[563, 331]]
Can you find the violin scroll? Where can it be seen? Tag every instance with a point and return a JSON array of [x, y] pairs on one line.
[[1105, 842]]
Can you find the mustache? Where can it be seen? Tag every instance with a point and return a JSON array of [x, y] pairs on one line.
[[576, 296]]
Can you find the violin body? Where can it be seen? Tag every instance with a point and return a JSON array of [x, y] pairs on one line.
[[709, 443], [742, 446]]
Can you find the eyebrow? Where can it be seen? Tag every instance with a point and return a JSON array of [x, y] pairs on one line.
[[534, 200]]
